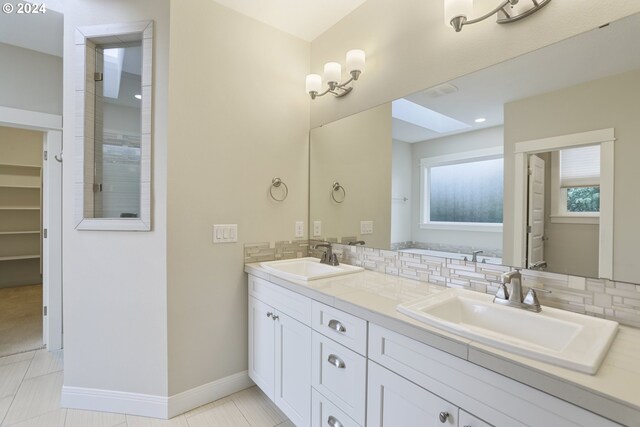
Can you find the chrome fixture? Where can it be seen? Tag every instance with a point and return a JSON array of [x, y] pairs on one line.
[[474, 258], [357, 242], [456, 12], [338, 188], [328, 257], [276, 183], [515, 298], [333, 75], [540, 265]]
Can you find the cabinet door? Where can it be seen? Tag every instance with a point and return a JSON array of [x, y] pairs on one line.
[[393, 401], [468, 420], [261, 345], [293, 369]]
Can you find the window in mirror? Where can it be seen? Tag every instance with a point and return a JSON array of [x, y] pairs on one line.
[[579, 181], [466, 192]]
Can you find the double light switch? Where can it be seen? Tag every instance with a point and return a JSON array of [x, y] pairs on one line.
[[225, 233]]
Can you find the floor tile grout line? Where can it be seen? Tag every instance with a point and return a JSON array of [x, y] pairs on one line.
[[241, 413], [18, 390]]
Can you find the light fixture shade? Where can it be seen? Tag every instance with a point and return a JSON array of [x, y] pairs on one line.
[[314, 83], [355, 60], [455, 8], [332, 72]]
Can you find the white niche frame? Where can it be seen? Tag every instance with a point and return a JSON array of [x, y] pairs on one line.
[[86, 38]]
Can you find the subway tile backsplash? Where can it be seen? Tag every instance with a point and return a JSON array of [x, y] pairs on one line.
[[596, 297]]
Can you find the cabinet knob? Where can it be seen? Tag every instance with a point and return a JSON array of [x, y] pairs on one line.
[[337, 326], [444, 416], [336, 361], [275, 317], [269, 314], [333, 422]]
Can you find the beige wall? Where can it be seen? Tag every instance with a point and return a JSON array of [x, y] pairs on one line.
[[115, 285], [606, 103], [401, 187], [238, 117], [30, 80], [409, 47], [356, 152], [569, 248], [477, 140]]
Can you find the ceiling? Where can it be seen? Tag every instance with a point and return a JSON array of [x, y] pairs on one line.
[[593, 55], [40, 32], [305, 19]]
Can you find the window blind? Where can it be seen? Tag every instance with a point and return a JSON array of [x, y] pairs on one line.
[[580, 167]]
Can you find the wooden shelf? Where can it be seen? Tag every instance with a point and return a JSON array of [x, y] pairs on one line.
[[4, 233], [18, 257], [30, 187], [10, 165], [19, 208]]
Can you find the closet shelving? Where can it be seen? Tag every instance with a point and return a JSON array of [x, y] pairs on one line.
[[20, 212]]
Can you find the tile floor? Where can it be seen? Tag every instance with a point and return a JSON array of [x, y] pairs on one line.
[[20, 319], [30, 385]]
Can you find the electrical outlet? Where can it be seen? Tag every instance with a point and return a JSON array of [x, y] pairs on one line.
[[317, 228], [225, 233], [299, 228], [366, 227]]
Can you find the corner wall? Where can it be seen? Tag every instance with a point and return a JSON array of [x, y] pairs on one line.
[[115, 302], [239, 116]]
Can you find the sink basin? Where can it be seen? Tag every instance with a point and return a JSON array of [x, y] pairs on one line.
[[559, 337], [307, 269]]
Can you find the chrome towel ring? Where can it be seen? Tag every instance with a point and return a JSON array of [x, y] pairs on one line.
[[336, 188], [276, 183]]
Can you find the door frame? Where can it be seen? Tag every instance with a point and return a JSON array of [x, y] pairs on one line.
[[51, 126], [605, 138]]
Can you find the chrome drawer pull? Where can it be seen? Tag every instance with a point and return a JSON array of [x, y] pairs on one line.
[[336, 361], [337, 326], [443, 416], [333, 422]]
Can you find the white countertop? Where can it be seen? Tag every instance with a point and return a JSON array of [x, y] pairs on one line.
[[613, 392]]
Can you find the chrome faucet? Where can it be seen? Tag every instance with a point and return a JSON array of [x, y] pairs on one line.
[[474, 258], [514, 298], [328, 257], [540, 265]]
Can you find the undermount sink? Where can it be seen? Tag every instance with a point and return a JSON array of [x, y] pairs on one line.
[[307, 269], [559, 337]]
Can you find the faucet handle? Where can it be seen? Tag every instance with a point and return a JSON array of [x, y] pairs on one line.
[[532, 296], [503, 292]]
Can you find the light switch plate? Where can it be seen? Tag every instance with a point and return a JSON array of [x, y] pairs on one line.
[[225, 233], [317, 228], [299, 228], [366, 227]]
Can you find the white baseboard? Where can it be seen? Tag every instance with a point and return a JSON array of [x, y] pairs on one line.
[[201, 395], [121, 402], [150, 405]]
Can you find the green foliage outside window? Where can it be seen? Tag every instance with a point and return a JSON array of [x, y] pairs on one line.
[[583, 199]]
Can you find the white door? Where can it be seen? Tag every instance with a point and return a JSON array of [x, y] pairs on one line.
[[293, 369], [535, 229], [261, 345], [394, 401], [52, 241]]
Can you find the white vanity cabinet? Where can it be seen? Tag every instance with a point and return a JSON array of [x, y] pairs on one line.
[[280, 348]]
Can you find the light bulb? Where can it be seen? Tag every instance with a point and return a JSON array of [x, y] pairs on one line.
[[455, 8], [314, 83], [332, 72], [355, 60]]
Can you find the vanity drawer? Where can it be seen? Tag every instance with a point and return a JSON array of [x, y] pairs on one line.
[[326, 414], [465, 419], [288, 302], [340, 375], [348, 330]]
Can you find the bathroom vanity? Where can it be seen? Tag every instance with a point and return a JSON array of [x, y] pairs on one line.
[[336, 352]]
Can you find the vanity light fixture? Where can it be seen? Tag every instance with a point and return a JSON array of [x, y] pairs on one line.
[[456, 12], [333, 74]]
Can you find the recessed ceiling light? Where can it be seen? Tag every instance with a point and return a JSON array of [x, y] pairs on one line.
[[480, 120], [137, 96]]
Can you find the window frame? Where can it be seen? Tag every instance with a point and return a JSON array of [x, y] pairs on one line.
[[559, 213], [452, 159]]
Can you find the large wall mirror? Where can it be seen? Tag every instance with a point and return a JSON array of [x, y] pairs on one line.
[[114, 93], [529, 163]]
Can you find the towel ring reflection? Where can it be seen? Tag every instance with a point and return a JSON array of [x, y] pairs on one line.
[[336, 188], [276, 183]]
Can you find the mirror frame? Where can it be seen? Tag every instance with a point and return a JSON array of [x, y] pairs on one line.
[[86, 39]]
